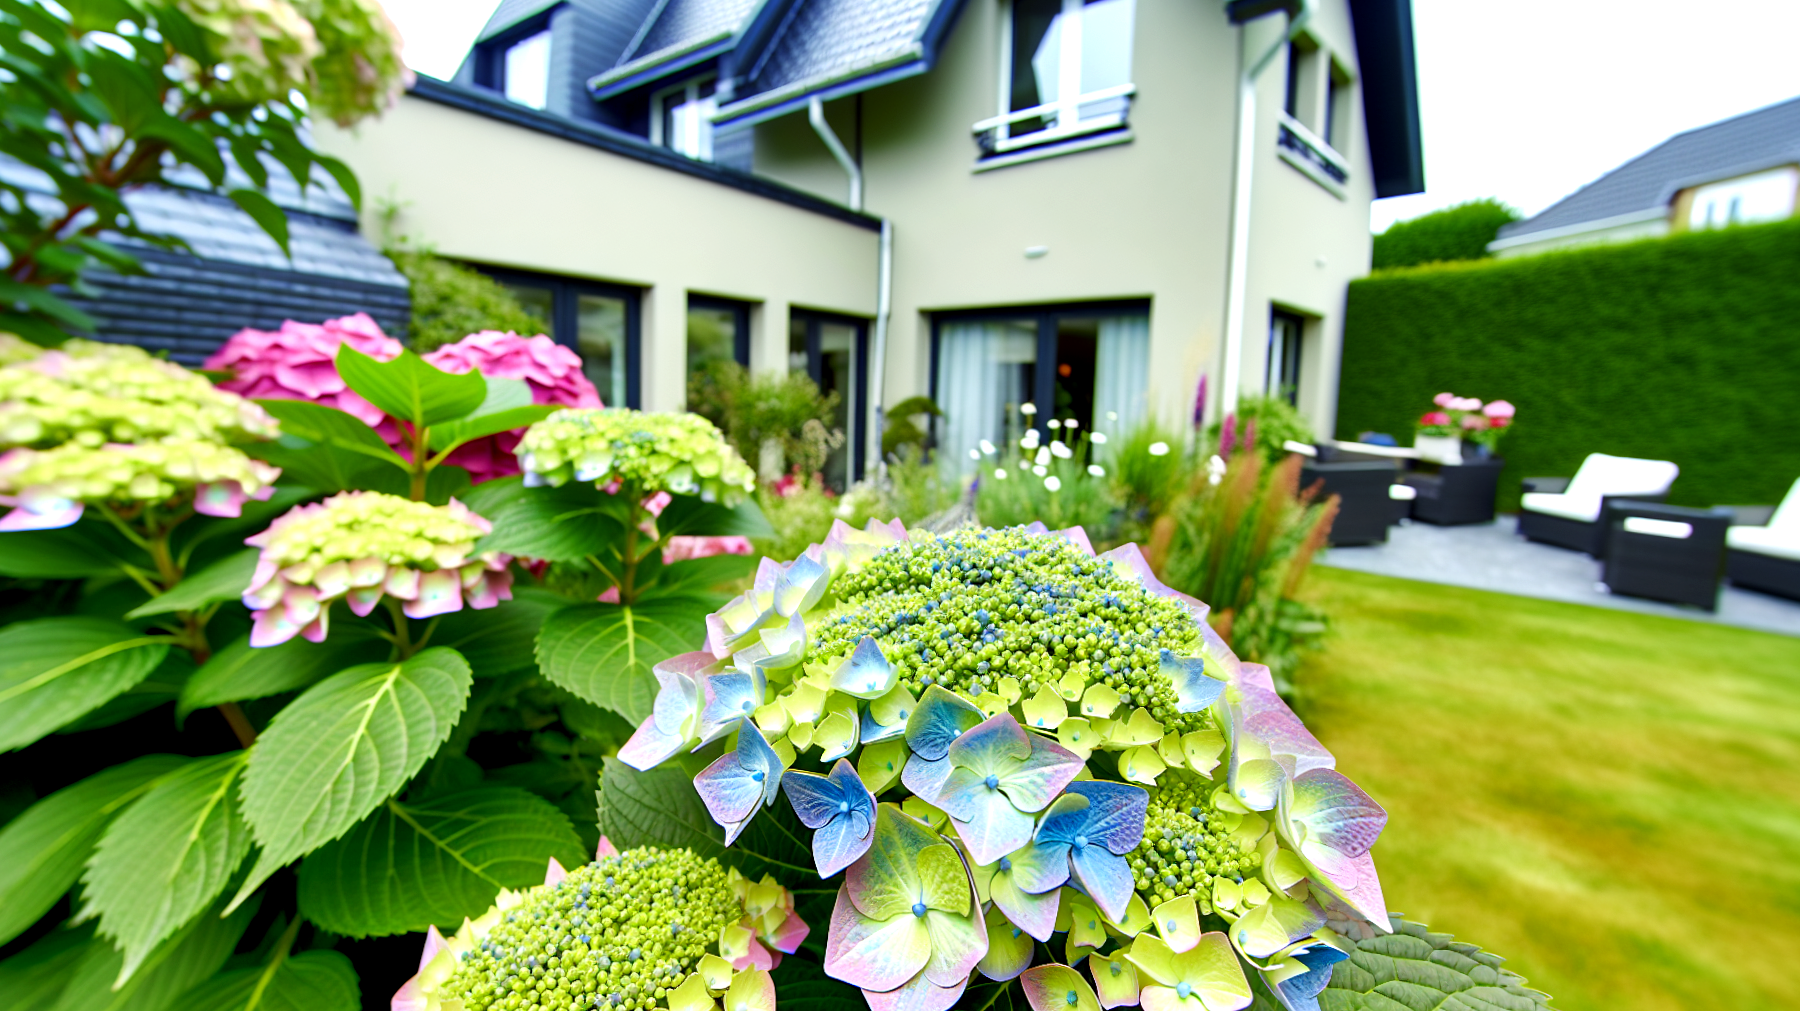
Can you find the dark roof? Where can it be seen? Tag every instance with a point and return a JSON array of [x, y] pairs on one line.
[[1390, 93], [1748, 143], [681, 24]]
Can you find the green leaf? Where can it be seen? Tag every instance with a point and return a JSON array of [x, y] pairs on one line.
[[699, 576], [309, 981], [329, 426], [435, 861], [690, 515], [42, 851], [661, 808], [503, 396], [35, 977], [240, 672], [46, 302], [346, 179], [54, 670], [411, 390], [194, 954], [1413, 967], [604, 652], [500, 640], [167, 857], [270, 218], [163, 685], [193, 147], [225, 579], [556, 524], [89, 548], [456, 433], [326, 468], [803, 986], [345, 745]]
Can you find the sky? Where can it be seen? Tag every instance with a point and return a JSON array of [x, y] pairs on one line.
[[1524, 100]]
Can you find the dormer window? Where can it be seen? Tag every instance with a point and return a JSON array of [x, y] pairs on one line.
[[1067, 71], [681, 118], [525, 70]]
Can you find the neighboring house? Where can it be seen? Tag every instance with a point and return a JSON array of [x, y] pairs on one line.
[[986, 201], [1741, 170]]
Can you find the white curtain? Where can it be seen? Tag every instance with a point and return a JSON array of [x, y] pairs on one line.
[[1122, 374], [984, 371]]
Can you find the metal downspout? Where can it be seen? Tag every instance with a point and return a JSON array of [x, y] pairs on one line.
[[1238, 267], [815, 113]]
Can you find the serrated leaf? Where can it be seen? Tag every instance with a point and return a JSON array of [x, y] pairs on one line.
[[345, 745], [240, 672], [346, 179], [167, 857], [410, 389], [701, 576], [434, 861], [502, 639], [33, 979], [163, 685], [195, 953], [604, 652], [42, 850], [309, 981], [661, 808], [693, 516], [555, 524], [224, 579], [55, 670], [1413, 967]]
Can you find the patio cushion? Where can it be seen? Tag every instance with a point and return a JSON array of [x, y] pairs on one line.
[[1581, 510], [1787, 515], [1602, 475], [1765, 541]]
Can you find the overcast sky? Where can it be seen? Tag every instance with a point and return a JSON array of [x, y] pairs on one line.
[[1525, 100]]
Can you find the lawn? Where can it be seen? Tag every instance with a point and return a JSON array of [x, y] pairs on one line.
[[1610, 800]]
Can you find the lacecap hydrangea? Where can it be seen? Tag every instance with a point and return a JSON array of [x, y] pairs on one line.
[[653, 451], [999, 737], [647, 928], [362, 546]]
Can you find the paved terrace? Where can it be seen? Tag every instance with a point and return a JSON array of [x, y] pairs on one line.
[[1494, 557]]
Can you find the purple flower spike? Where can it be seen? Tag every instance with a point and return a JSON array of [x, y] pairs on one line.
[[1096, 824], [1301, 992], [674, 715], [1000, 776], [730, 696], [1194, 690], [740, 780], [941, 717], [840, 811]]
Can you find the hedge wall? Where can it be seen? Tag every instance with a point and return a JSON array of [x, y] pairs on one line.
[[1685, 348]]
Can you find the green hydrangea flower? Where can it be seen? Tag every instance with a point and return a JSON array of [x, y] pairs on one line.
[[49, 486], [15, 349], [1195, 836], [657, 451], [93, 393]]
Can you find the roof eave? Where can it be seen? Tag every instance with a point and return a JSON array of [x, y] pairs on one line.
[[768, 105], [659, 64]]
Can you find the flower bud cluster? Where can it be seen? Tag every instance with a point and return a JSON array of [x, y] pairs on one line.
[[92, 394], [361, 546], [656, 451], [147, 472], [620, 933], [1012, 613], [1189, 842]]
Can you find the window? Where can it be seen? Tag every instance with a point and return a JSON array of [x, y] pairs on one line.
[[598, 321], [525, 70], [1066, 67], [1089, 363], [1765, 196], [1337, 108], [831, 350], [718, 330], [1286, 333], [681, 118]]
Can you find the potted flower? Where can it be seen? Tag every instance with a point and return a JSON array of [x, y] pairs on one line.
[[1439, 434]]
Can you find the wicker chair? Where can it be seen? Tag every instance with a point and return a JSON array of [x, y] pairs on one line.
[[1766, 556], [1665, 552], [1567, 513]]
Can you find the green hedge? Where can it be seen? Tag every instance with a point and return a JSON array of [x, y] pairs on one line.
[[1685, 348]]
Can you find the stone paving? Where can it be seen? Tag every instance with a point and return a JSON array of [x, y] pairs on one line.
[[1493, 556]]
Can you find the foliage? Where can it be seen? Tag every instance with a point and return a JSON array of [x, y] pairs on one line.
[[762, 413], [1243, 545], [910, 489], [800, 511], [450, 301], [902, 426], [1268, 422], [1149, 469], [1461, 232], [1678, 349], [111, 96], [1059, 483]]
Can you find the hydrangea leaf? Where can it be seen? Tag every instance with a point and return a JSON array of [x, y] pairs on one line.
[[605, 652], [55, 670], [1426, 969]]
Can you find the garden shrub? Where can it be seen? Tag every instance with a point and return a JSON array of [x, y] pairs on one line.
[[1673, 349], [1150, 467], [784, 412], [1267, 422], [1461, 232], [451, 301]]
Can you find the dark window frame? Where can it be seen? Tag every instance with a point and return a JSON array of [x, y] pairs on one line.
[[490, 55], [565, 320], [1043, 379], [1291, 364], [740, 310], [815, 370]]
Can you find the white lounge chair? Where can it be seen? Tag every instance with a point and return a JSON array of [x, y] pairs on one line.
[[1767, 557], [1568, 513]]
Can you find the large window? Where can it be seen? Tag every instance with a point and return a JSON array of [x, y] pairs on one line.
[[681, 118], [1287, 332], [718, 330], [831, 349], [1066, 67], [599, 321], [525, 70], [1087, 363]]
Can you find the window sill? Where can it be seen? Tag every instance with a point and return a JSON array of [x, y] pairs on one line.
[[1315, 159], [1054, 149]]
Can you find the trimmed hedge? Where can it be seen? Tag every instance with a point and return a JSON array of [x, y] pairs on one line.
[[1685, 348], [1461, 232]]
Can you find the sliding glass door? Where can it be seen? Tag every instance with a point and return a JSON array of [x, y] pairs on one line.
[[831, 350]]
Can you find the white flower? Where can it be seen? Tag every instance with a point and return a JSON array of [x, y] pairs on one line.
[[1028, 409], [974, 454], [1053, 483], [1057, 447], [1030, 441], [1040, 471], [1096, 470], [1112, 415], [1159, 449], [1073, 423], [1043, 456], [999, 473], [1053, 423], [987, 448], [1215, 469], [1099, 438]]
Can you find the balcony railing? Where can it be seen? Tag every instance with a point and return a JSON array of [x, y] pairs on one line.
[[1309, 153], [995, 135]]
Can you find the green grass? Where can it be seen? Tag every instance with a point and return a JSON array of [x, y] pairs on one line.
[[1610, 800]]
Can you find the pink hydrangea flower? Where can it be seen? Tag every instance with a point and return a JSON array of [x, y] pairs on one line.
[[299, 362], [552, 371], [1499, 409], [1443, 399]]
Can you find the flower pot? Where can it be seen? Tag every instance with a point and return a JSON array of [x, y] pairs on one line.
[[1444, 449]]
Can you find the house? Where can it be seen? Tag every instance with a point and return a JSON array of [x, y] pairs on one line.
[[1737, 171], [1088, 206]]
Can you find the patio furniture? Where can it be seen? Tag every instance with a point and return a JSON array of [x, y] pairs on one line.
[[1665, 552], [1364, 507], [1765, 555], [1458, 494], [1567, 513], [1404, 497]]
